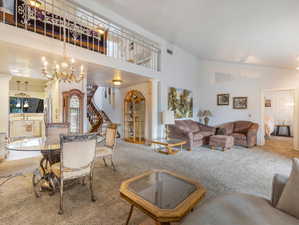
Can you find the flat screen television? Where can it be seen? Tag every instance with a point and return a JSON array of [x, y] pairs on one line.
[[26, 105]]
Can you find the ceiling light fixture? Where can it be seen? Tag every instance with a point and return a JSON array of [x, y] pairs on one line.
[[65, 71], [117, 82], [35, 3], [100, 30]]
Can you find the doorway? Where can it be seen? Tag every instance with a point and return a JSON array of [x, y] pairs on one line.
[[278, 120]]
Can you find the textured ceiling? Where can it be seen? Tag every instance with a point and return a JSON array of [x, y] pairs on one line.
[[263, 32]]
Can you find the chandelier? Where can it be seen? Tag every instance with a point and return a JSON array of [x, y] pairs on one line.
[[65, 71]]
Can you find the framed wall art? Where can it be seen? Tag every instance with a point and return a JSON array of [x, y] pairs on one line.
[[240, 102], [181, 102], [267, 102], [223, 99]]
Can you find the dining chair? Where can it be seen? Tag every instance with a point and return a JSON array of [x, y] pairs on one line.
[[3, 151], [53, 131], [77, 158], [109, 145]]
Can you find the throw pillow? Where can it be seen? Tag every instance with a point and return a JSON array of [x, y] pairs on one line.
[[289, 200]]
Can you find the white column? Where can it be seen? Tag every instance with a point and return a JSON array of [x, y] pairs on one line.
[[154, 125], [4, 100], [296, 121]]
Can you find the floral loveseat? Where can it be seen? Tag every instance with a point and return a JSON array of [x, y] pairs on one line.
[[244, 132], [194, 133]]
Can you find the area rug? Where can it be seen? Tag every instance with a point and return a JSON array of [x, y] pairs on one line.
[[237, 170]]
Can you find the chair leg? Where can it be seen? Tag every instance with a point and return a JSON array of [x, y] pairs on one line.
[[93, 198], [105, 161], [112, 164], [60, 212]]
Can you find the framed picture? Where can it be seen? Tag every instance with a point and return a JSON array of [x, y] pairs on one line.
[[181, 102], [223, 99], [267, 102], [240, 102]]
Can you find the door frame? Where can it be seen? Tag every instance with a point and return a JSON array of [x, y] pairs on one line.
[[295, 119]]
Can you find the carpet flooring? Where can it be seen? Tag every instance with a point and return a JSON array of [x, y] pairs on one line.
[[237, 170]]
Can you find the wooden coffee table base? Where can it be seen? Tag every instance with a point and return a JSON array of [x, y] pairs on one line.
[[168, 151], [167, 146], [148, 221]]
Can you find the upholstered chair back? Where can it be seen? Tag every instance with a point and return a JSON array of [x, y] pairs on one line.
[[77, 154], [187, 125], [53, 131], [111, 133], [242, 126], [3, 151]]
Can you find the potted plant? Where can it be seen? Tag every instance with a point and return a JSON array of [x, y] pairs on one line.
[[205, 114]]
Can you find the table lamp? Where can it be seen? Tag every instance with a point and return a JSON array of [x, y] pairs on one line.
[[167, 119]]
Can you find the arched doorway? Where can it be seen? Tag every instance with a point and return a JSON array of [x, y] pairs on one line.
[[73, 110], [134, 117]]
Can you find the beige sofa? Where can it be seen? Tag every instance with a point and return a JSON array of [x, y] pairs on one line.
[[243, 209]]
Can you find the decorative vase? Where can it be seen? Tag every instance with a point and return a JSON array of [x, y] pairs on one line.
[[206, 119]]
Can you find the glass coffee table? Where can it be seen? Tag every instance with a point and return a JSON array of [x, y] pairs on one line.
[[167, 145], [164, 196]]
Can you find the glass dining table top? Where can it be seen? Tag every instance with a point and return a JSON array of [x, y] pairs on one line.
[[33, 144]]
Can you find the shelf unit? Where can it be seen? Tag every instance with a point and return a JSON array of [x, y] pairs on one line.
[[134, 117]]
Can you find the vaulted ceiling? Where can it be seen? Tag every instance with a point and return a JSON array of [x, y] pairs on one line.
[[263, 32]]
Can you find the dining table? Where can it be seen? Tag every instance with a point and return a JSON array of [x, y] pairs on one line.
[[42, 178]]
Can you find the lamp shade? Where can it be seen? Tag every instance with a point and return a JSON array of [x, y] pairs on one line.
[[168, 117]]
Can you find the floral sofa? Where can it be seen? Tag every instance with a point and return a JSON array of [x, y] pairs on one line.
[[244, 132], [194, 133]]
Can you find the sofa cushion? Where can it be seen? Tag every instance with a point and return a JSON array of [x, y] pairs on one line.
[[289, 200], [206, 133], [239, 136], [242, 126], [238, 209], [197, 136], [187, 125]]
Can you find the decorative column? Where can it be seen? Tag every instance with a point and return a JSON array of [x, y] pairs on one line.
[[296, 121], [154, 114], [4, 99]]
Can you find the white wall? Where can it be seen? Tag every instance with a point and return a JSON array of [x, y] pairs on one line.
[[243, 80], [179, 70], [4, 99], [113, 111]]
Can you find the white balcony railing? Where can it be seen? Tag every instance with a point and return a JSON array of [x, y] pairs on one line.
[[61, 19]]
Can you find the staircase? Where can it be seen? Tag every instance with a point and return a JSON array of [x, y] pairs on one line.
[[98, 119]]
